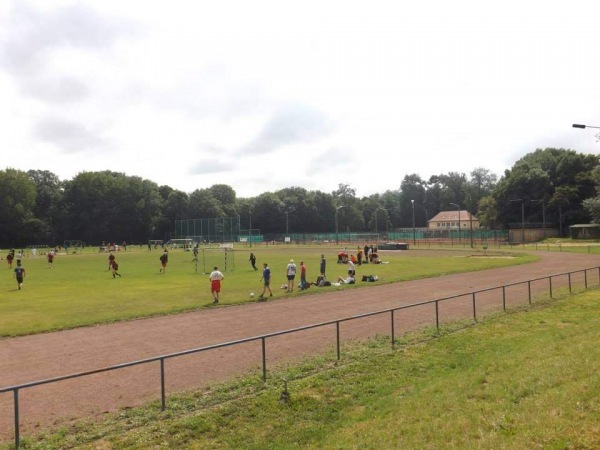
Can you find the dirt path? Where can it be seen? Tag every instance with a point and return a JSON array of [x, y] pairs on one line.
[[31, 358]]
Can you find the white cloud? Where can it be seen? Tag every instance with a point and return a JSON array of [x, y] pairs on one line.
[[264, 95]]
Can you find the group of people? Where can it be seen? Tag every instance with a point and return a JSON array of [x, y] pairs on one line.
[[19, 271], [291, 272], [365, 255]]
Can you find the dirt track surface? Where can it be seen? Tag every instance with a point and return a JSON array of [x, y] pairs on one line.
[[31, 358]]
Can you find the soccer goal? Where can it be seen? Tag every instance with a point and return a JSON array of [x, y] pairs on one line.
[[223, 257], [73, 243], [362, 238]]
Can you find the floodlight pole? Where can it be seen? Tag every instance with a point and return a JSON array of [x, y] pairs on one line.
[[337, 237], [377, 215], [522, 218], [459, 230], [470, 216], [287, 221], [413, 222], [250, 225], [543, 214]]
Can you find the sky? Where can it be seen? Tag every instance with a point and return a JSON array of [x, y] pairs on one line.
[[264, 95]]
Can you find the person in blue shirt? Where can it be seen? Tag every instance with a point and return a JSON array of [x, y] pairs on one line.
[[266, 277]]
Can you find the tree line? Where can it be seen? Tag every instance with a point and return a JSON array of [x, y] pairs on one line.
[[556, 187]]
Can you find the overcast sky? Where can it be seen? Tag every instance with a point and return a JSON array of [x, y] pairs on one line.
[[262, 95]]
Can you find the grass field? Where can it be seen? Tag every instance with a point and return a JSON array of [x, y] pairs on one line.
[[79, 290], [515, 381]]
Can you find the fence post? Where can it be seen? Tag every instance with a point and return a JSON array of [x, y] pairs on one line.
[[504, 298], [474, 311], [17, 434], [585, 277], [569, 282], [163, 397], [550, 278], [264, 358], [393, 333], [529, 290], [437, 316], [337, 339]]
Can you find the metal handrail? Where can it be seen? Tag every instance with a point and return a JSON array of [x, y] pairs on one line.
[[162, 358]]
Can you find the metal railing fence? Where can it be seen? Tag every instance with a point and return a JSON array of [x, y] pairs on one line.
[[263, 338]]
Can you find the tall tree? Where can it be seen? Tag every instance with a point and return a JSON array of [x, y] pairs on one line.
[[415, 194], [225, 195], [559, 178], [268, 213], [350, 216], [592, 204], [203, 204], [110, 206], [18, 225]]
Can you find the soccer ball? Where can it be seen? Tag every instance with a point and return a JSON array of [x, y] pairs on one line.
[[251, 294]]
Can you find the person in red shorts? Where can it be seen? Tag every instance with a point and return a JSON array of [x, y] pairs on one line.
[[9, 258], [50, 259], [215, 283]]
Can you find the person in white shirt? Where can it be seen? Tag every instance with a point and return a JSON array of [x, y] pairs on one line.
[[291, 274], [215, 283], [347, 280], [351, 268]]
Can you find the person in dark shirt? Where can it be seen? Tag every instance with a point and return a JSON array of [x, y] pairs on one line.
[[253, 261], [20, 275]]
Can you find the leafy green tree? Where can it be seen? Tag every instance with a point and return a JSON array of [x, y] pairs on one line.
[[268, 213], [487, 212], [322, 212], [592, 204], [225, 195], [413, 187], [480, 185], [350, 217], [391, 202], [561, 179], [49, 205], [110, 206], [17, 205], [203, 204]]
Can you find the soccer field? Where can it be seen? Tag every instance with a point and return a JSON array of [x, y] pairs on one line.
[[79, 289]]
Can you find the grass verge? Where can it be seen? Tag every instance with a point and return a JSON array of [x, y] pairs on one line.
[[523, 380]]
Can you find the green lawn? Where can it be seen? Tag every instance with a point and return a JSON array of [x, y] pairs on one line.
[[79, 289], [515, 381]]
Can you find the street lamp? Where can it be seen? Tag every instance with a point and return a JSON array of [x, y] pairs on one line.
[[470, 216], [337, 237], [376, 216], [543, 214], [578, 125], [413, 220], [250, 225], [458, 209], [522, 218]]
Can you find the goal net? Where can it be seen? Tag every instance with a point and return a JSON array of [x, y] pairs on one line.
[[360, 239], [223, 257]]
